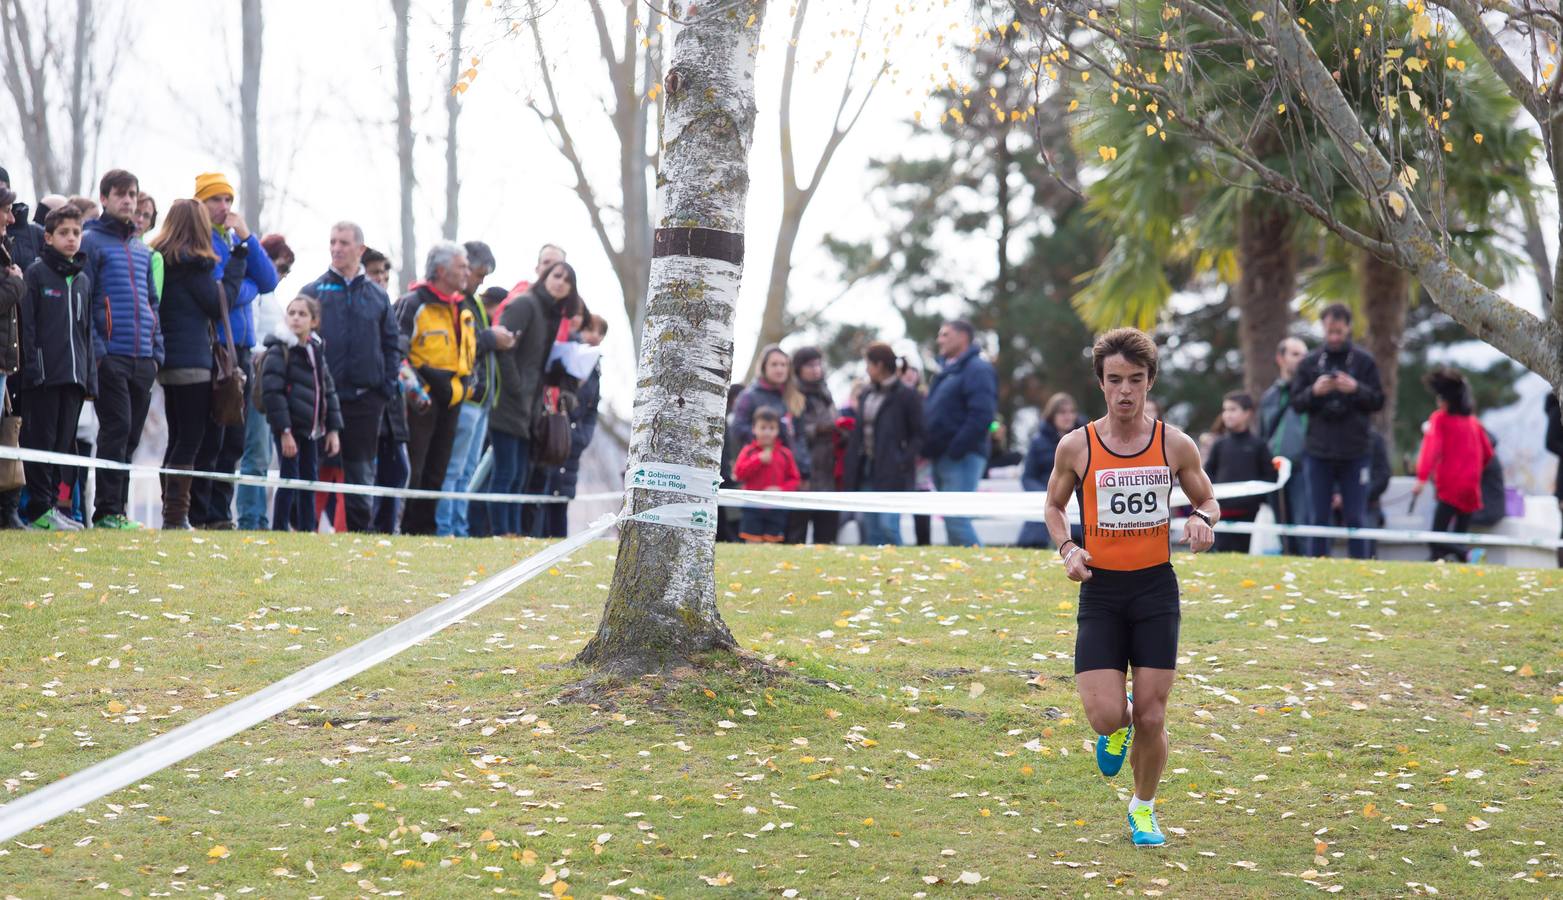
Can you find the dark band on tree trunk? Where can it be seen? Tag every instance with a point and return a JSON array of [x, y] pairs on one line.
[[701, 243]]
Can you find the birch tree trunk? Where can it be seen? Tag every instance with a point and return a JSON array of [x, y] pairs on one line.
[[661, 610], [251, 199], [458, 19], [409, 179]]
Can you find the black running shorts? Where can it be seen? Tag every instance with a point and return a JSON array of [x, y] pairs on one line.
[[1128, 618]]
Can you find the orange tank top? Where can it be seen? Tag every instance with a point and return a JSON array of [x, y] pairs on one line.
[[1124, 504]]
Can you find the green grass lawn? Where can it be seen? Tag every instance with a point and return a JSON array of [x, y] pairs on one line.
[[1368, 729]]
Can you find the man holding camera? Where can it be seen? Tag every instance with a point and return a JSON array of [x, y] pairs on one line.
[[1337, 386]]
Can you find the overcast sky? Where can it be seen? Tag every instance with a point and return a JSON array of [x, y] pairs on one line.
[[329, 150]]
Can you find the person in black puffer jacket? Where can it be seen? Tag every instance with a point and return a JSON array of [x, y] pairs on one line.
[[1238, 455], [301, 408], [189, 312]]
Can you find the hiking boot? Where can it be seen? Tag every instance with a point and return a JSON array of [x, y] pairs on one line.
[[176, 503]]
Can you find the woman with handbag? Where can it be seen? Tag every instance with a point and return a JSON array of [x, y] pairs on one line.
[[190, 310], [11, 290], [533, 318]]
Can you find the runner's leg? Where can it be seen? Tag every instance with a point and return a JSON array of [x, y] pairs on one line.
[[1148, 756], [1103, 695]]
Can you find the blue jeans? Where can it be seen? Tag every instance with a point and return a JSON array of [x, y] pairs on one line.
[[763, 525], [1350, 478], [954, 474], [512, 465], [450, 518], [881, 528], [251, 500], [296, 508], [391, 470], [1297, 502]]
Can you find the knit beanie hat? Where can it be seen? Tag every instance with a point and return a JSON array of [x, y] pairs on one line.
[[213, 184]]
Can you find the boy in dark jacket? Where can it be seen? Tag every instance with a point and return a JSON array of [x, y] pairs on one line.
[[301, 408], [766, 465], [1238, 455], [58, 370]]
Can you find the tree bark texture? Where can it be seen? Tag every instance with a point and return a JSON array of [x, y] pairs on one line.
[[458, 20], [251, 199], [661, 610], [1267, 263], [1386, 292], [409, 179]]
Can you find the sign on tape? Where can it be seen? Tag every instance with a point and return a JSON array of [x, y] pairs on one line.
[[657, 476], [699, 516]]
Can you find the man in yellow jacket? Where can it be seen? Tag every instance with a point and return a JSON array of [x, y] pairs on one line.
[[439, 338]]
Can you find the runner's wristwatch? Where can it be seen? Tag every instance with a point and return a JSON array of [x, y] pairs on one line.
[[1204, 517]]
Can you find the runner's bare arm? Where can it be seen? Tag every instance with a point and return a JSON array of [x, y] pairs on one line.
[[1067, 465], [1183, 457]]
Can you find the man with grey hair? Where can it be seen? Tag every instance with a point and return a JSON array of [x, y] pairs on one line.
[[363, 354], [450, 520], [439, 339]]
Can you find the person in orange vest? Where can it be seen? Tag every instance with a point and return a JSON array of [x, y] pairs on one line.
[[1124, 466]]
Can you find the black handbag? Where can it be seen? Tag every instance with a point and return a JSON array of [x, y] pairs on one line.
[[227, 378], [551, 431]]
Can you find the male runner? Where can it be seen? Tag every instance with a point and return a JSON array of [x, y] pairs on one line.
[[1123, 466]]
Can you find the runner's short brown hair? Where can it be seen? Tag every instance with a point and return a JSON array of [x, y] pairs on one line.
[[1134, 345]]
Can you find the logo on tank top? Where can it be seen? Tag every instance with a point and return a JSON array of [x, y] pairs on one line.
[[1133, 500]]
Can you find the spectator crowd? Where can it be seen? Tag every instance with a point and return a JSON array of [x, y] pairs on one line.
[[105, 303], [460, 385]]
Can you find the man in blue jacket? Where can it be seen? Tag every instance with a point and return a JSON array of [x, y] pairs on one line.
[[363, 353], [962, 400], [211, 502], [127, 339]]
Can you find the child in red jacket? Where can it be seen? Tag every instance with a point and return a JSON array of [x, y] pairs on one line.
[[1455, 449], [765, 465]]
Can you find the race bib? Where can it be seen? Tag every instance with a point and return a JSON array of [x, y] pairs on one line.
[[1133, 499]]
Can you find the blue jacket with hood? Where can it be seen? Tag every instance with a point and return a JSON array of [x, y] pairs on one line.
[[124, 297], [260, 277]]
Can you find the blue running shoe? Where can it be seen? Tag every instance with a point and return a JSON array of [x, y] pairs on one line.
[[1113, 749], [1143, 828]]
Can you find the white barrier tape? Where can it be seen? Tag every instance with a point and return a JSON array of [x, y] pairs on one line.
[[674, 478], [270, 481], [1022, 506], [1387, 535], [696, 516], [131, 766]]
